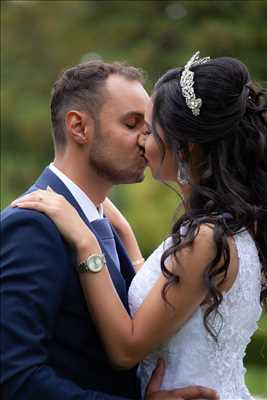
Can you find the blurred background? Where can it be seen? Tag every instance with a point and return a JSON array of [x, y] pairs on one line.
[[41, 38]]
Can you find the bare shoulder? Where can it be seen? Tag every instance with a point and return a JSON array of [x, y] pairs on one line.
[[205, 237], [202, 250], [194, 259]]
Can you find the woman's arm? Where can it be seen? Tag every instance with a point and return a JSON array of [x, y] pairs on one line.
[[125, 231], [129, 340]]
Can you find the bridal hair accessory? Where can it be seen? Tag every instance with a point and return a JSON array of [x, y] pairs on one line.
[[183, 174], [187, 83]]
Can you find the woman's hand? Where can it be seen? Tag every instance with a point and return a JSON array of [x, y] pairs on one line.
[[66, 218]]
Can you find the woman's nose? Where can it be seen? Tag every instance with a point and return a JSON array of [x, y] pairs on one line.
[[141, 140]]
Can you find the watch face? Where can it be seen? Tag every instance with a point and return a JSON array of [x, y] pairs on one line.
[[95, 263]]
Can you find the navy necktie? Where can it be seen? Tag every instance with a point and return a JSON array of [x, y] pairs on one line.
[[104, 231]]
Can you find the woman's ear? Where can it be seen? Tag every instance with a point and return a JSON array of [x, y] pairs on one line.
[[79, 126], [190, 152], [184, 152], [191, 147]]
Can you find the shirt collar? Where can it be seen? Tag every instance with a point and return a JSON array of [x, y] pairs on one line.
[[86, 204]]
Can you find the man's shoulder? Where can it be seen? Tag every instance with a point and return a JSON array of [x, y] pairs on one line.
[[12, 215], [25, 229]]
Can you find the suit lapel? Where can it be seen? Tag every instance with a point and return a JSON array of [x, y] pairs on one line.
[[48, 178]]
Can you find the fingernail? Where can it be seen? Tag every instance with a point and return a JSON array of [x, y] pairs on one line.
[[17, 203]]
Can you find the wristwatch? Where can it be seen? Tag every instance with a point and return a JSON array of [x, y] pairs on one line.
[[94, 263]]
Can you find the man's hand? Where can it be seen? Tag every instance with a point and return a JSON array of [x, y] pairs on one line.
[[153, 391]]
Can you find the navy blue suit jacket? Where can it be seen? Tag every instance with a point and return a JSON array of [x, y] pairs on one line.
[[50, 349]]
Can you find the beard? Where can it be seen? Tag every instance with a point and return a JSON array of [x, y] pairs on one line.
[[111, 166]]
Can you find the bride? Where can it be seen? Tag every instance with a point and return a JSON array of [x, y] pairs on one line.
[[196, 300]]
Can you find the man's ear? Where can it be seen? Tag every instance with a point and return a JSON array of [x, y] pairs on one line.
[[79, 126]]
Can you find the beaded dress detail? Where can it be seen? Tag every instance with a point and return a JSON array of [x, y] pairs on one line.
[[192, 356]]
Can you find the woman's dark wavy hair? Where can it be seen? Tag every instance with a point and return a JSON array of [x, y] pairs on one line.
[[231, 194]]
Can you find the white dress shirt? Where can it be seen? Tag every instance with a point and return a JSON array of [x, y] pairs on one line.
[[90, 210]]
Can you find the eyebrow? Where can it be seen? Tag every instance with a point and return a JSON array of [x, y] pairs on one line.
[[135, 113]]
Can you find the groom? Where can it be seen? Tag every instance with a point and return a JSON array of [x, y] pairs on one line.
[[50, 349]]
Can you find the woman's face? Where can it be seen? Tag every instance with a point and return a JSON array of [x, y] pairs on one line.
[[165, 170]]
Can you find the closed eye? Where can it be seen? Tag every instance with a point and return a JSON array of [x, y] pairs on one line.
[[129, 126], [133, 120]]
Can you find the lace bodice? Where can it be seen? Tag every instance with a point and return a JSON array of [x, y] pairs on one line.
[[192, 356]]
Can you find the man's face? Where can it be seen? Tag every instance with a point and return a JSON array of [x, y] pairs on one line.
[[115, 153]]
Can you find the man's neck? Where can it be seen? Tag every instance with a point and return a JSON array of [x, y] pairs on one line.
[[95, 187]]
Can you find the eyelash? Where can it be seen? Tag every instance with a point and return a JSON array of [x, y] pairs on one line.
[[130, 126]]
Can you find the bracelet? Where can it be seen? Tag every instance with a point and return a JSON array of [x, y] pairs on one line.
[[138, 262]]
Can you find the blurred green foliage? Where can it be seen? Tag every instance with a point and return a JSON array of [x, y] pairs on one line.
[[256, 361], [256, 380], [40, 38]]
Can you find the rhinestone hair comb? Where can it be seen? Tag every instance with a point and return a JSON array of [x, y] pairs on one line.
[[187, 83]]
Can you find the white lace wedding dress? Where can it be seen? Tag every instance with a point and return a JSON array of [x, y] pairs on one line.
[[192, 355]]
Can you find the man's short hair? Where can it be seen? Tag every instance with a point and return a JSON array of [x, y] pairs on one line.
[[82, 88]]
